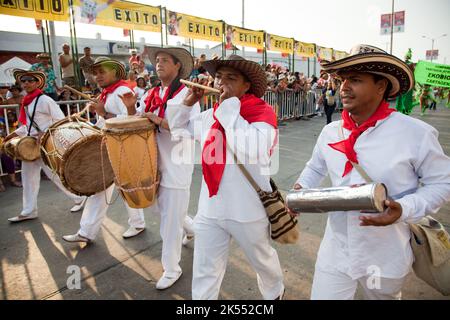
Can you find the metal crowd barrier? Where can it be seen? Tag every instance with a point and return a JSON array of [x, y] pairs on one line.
[[5, 109]]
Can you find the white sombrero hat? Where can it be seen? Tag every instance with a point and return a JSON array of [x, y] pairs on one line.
[[182, 55], [370, 59]]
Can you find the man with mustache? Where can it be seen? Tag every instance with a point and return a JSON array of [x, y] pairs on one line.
[[374, 250]]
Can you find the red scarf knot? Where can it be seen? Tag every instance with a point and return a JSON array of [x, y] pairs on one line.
[[110, 89], [25, 102], [347, 146]]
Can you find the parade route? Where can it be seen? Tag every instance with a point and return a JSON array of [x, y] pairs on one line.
[[36, 263]]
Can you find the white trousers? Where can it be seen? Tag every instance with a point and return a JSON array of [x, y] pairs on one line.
[[95, 212], [173, 207], [335, 285], [212, 242], [31, 180]]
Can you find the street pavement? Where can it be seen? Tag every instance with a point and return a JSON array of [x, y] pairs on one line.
[[37, 264]]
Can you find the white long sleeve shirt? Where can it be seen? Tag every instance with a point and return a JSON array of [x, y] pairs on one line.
[[236, 199], [405, 155], [47, 112], [175, 155]]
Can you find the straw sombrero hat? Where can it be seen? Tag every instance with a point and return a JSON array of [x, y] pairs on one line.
[[38, 75], [366, 58], [252, 70], [185, 58], [43, 55], [117, 65]]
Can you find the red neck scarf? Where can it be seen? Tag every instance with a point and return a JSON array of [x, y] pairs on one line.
[[347, 146], [253, 109], [111, 89], [154, 101], [25, 102]]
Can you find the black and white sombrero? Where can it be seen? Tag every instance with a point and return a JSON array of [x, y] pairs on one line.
[[116, 65], [182, 55], [38, 75], [370, 59], [252, 70]]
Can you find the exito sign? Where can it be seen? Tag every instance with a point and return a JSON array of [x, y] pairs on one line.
[[37, 9]]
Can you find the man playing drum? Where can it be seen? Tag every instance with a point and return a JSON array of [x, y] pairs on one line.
[[45, 112], [229, 206], [359, 248], [109, 75], [175, 156]]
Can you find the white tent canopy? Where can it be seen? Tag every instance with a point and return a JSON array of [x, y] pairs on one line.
[[6, 69]]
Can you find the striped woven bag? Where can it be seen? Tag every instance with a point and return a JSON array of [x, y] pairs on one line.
[[283, 226]]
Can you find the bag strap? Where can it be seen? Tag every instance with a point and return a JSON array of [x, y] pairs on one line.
[[355, 165], [32, 123], [244, 170]]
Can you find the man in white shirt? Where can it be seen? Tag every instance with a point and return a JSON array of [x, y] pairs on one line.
[[46, 112], [374, 249], [229, 206], [109, 75], [175, 156]]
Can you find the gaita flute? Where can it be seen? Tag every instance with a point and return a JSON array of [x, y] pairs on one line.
[[189, 83]]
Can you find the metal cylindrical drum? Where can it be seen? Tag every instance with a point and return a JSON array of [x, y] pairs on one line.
[[367, 197]]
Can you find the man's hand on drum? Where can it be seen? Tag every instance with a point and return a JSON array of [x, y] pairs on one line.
[[392, 213], [129, 99], [98, 107], [153, 118], [39, 137], [194, 95], [292, 213]]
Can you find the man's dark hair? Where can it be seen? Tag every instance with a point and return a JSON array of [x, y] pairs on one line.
[[85, 48], [376, 78]]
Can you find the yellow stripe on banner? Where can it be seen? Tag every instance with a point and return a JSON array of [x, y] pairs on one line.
[[183, 25], [304, 49], [123, 14], [280, 44], [53, 10], [243, 37]]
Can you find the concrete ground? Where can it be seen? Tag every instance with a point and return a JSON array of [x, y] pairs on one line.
[[37, 264]]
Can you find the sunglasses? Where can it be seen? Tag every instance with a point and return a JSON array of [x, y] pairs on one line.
[[23, 80]]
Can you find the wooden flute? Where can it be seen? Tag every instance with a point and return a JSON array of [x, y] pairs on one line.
[[189, 83], [81, 94]]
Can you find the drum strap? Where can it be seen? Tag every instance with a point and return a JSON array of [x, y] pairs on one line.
[[32, 117]]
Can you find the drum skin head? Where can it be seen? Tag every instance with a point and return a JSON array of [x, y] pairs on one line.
[[71, 147], [27, 149], [82, 167], [131, 122]]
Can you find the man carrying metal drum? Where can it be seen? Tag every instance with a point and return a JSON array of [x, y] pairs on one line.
[[399, 151], [37, 113], [109, 75]]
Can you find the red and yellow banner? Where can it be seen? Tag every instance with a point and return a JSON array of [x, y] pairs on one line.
[[280, 44], [54, 10], [303, 49], [243, 37], [120, 14], [183, 25]]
